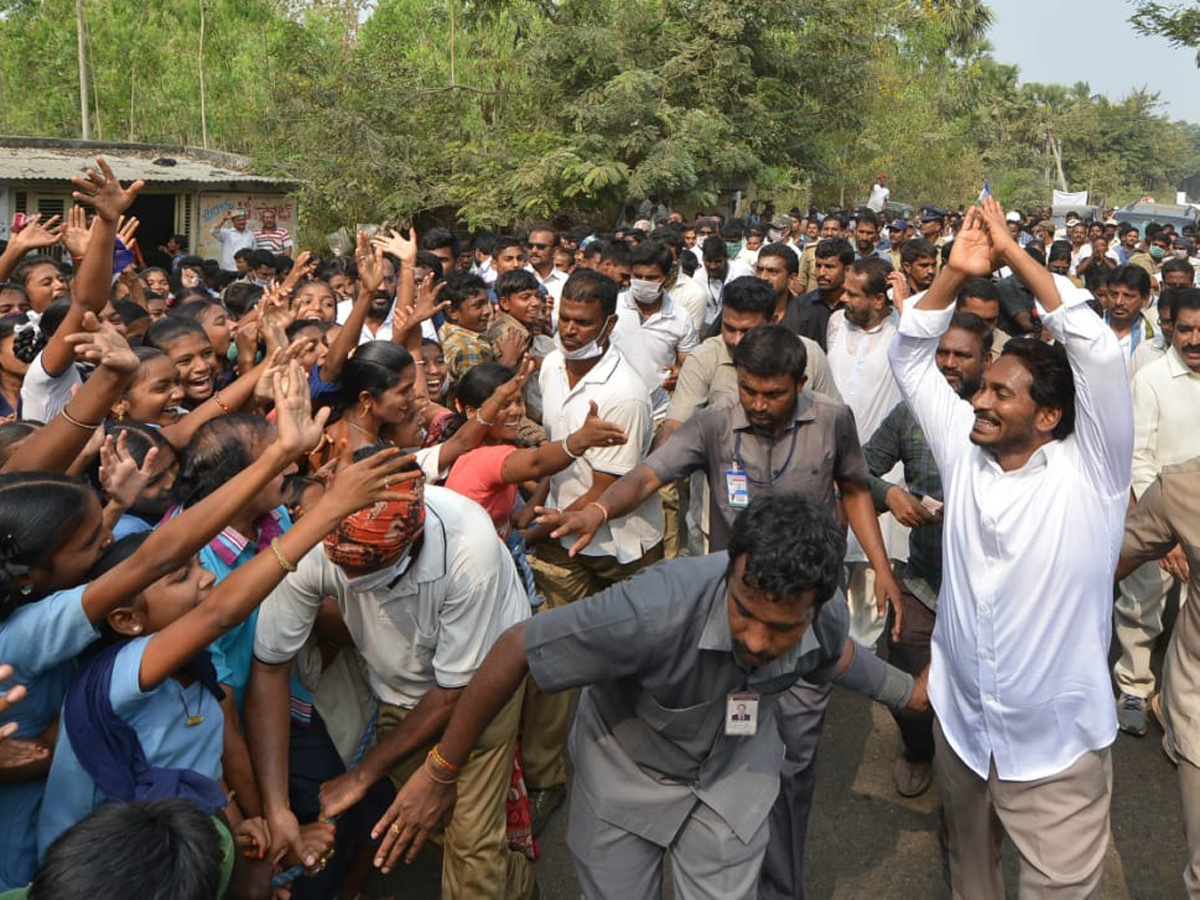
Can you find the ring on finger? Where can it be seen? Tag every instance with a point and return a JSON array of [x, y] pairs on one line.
[[396, 829]]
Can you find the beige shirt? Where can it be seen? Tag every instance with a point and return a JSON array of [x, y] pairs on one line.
[[1166, 395], [1165, 516], [708, 376]]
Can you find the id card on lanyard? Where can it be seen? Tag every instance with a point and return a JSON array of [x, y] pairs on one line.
[[737, 487]]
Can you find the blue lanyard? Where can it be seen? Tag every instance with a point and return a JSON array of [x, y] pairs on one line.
[[741, 464]]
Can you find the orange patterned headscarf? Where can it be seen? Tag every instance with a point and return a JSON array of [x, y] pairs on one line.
[[363, 540]]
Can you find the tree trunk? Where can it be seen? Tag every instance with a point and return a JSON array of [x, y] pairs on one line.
[[84, 100], [203, 104]]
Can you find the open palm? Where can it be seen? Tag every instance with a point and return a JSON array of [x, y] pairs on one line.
[[971, 252]]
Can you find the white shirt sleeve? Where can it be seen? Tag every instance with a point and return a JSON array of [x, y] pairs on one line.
[[1103, 403], [43, 396], [1145, 433], [944, 416], [636, 418], [286, 617]]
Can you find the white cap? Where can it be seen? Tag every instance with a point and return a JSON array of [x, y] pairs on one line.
[[1013, 216]]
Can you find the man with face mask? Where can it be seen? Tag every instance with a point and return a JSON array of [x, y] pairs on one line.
[[586, 371], [962, 357], [718, 270], [425, 587]]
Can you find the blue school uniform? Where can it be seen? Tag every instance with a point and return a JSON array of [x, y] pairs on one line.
[[40, 640], [159, 716]]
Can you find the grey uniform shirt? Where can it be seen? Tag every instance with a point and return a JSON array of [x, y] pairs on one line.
[[654, 655], [818, 448]]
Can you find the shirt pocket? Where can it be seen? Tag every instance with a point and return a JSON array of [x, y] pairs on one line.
[[415, 622], [692, 728]]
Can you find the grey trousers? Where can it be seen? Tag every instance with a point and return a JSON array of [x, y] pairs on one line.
[[708, 861], [800, 714], [1059, 825], [1189, 794]]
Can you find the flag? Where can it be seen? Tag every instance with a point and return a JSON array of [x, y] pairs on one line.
[[987, 190]]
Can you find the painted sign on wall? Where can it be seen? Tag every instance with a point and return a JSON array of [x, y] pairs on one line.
[[212, 207]]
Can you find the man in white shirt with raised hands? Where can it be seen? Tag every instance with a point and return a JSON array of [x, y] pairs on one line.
[[1037, 470]]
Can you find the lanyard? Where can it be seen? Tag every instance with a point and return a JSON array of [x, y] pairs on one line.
[[771, 479]]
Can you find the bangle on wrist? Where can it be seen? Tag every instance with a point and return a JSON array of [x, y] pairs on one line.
[[74, 421], [221, 403], [284, 563], [436, 755], [603, 510], [567, 448], [481, 420], [434, 775]]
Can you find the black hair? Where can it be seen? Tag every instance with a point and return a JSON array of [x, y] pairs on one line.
[[30, 342], [9, 323], [769, 350], [1034, 253], [1053, 384], [169, 329], [461, 286], [1178, 265], [294, 487], [20, 274], [983, 288], [298, 325], [548, 229], [713, 249], [590, 286], [146, 271], [869, 217], [161, 850], [12, 433], [258, 258], [38, 512], [578, 233], [965, 321], [504, 241], [780, 250], [876, 271], [193, 309], [748, 294], [244, 253], [790, 544], [338, 265], [218, 451], [616, 252], [839, 247], [473, 390], [917, 248], [1134, 277], [374, 367], [732, 231], [483, 240], [653, 253], [1059, 251], [241, 297], [129, 311], [426, 260], [515, 281], [1181, 298], [437, 238]]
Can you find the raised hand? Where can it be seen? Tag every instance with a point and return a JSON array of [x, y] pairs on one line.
[[971, 252], [126, 229], [103, 192], [510, 346], [370, 264], [75, 234], [510, 392], [121, 478], [297, 430], [992, 214], [102, 345], [7, 699], [427, 305], [399, 246], [376, 479], [37, 234]]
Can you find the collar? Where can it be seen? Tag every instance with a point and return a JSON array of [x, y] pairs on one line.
[[666, 311], [1040, 459], [556, 274], [450, 330], [431, 563], [231, 543], [716, 635], [804, 411], [1177, 366], [597, 374]]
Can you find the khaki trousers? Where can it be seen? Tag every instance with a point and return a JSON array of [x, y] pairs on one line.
[[1189, 794], [1138, 615], [562, 580], [477, 863], [674, 499], [1059, 824]]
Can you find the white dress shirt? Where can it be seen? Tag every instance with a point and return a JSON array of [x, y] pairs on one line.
[[432, 626], [653, 345], [1019, 673], [553, 284], [1166, 395], [714, 288], [621, 397], [690, 296], [858, 360]]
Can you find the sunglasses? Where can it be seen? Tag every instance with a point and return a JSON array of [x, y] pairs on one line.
[[533, 246]]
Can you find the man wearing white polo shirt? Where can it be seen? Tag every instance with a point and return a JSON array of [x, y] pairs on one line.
[[1036, 469], [583, 371]]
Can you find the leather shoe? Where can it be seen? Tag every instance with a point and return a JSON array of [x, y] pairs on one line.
[[912, 778]]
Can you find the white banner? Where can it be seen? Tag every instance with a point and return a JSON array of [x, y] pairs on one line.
[[1070, 198]]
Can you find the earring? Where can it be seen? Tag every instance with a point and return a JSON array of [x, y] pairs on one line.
[[137, 629], [26, 590]]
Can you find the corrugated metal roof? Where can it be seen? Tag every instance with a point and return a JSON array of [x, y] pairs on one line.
[[49, 160]]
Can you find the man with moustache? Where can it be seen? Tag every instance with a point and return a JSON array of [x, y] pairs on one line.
[[962, 357], [832, 257], [831, 228], [1036, 470]]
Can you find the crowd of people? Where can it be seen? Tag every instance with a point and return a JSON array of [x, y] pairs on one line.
[[306, 561]]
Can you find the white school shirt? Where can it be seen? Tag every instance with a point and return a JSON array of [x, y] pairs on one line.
[[1019, 673], [653, 345], [1166, 395], [714, 288], [621, 397], [432, 626]]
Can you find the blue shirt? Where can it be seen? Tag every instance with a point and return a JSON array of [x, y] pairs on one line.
[[159, 716], [40, 640]]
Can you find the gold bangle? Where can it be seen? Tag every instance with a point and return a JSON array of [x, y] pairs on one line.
[[283, 561], [74, 421], [442, 761], [429, 771], [600, 506], [221, 403]]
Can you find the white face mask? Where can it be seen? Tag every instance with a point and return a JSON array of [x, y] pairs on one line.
[[644, 291], [773, 235], [590, 350], [1180, 253], [373, 581]]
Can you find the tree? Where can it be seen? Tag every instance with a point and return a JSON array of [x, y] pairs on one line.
[[1179, 23]]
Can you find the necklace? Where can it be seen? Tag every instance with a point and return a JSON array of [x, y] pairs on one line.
[[190, 719], [373, 437]]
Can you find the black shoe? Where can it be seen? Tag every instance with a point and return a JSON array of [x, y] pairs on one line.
[[543, 803]]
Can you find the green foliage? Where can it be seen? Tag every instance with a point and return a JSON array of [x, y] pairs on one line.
[[503, 112]]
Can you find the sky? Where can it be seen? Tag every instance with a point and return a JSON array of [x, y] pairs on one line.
[[1065, 41]]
